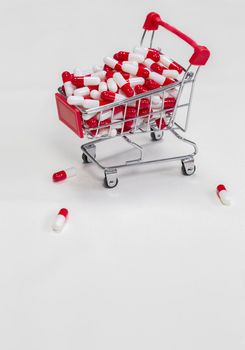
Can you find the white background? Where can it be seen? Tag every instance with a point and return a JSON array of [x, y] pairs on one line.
[[156, 263]]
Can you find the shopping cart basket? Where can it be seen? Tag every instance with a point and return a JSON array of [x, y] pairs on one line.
[[153, 121]]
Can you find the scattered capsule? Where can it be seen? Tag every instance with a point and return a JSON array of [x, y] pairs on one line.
[[223, 194], [112, 96], [148, 53], [112, 63], [136, 81], [155, 67], [97, 68], [95, 94], [60, 219], [75, 100], [123, 84], [85, 81], [67, 83], [84, 91], [87, 103], [127, 56], [102, 86], [160, 79], [169, 63], [134, 69], [64, 174], [100, 74]]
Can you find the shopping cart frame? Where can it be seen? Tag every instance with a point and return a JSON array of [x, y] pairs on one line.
[[148, 123]]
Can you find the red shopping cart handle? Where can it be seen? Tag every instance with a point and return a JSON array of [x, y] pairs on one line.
[[201, 53]]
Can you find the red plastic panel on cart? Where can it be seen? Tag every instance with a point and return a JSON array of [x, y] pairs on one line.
[[69, 115]]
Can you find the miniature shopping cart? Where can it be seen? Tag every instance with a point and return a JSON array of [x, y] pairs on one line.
[[154, 122]]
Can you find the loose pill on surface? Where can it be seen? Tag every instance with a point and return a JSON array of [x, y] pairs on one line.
[[64, 174], [223, 194], [60, 220]]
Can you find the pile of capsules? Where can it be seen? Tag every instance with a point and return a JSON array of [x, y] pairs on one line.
[[125, 75]]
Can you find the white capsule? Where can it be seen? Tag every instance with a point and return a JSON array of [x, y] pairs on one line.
[[88, 116], [141, 51], [84, 91], [101, 74], [75, 100], [103, 116], [119, 79], [69, 88], [110, 62], [156, 100], [79, 72], [135, 57], [102, 86], [130, 68], [91, 81], [90, 103], [97, 68], [95, 94], [136, 81], [112, 86], [170, 73], [173, 92], [157, 77]]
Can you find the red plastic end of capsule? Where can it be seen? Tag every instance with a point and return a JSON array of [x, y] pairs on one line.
[[107, 68], [151, 84], [63, 212], [169, 102], [59, 176], [143, 72], [139, 89], [66, 76], [153, 55], [220, 187], [131, 112], [126, 88], [144, 103], [108, 96]]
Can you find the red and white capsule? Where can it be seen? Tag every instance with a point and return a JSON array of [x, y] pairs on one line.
[[136, 81], [123, 84], [112, 63], [135, 69], [223, 194], [95, 94], [160, 79], [64, 174], [112, 96], [169, 63], [60, 219], [128, 56], [148, 53], [67, 83], [85, 81], [155, 67]]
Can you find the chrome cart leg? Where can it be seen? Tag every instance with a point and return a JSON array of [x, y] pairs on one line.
[[188, 166], [90, 154], [111, 179]]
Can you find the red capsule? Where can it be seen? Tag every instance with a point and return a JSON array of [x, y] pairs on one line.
[[151, 84], [140, 89]]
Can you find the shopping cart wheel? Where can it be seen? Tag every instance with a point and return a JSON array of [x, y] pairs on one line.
[[188, 167], [92, 151], [156, 135], [85, 158], [110, 180]]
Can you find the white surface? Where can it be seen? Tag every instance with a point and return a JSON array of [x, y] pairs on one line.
[[158, 262]]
